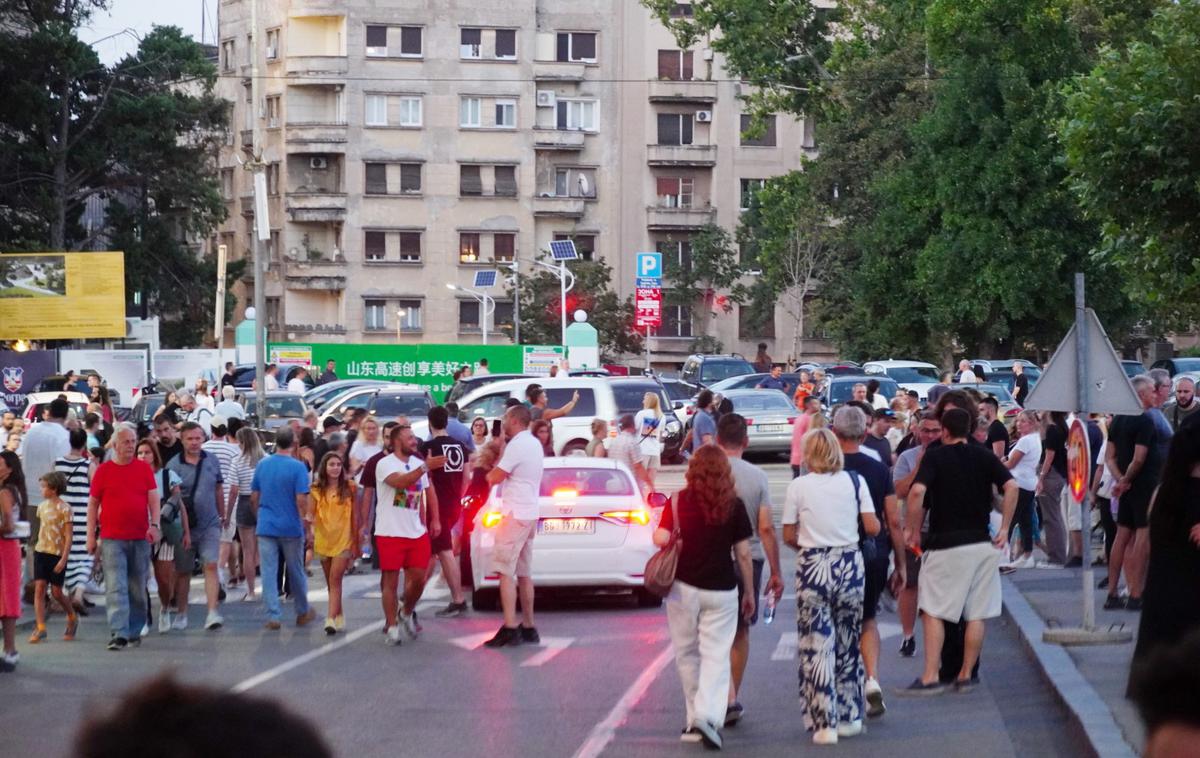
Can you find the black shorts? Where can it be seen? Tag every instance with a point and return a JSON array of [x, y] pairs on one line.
[[447, 518], [912, 569], [43, 569], [875, 580], [244, 515], [758, 569], [1133, 512]]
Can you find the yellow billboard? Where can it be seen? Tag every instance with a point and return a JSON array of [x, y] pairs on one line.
[[52, 296]]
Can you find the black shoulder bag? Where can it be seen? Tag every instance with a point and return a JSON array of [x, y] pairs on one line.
[[868, 546], [189, 500]]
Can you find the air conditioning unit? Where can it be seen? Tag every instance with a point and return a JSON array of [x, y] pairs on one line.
[[546, 98], [272, 52], [318, 163], [707, 54], [703, 117]]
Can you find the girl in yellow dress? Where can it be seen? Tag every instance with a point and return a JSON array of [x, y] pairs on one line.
[[334, 527]]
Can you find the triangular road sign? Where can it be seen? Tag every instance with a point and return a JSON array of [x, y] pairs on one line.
[[1108, 387]]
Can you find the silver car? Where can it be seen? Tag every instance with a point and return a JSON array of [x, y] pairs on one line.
[[769, 418]]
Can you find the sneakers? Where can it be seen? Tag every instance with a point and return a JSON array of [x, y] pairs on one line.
[[339, 623], [529, 635], [164, 620], [709, 735], [875, 704], [1102, 584], [690, 734], [213, 621], [1074, 563], [179, 623], [1132, 603], [118, 643], [453, 610], [408, 625], [330, 626], [919, 688], [145, 630], [273, 625], [827, 736], [908, 648], [734, 713], [850, 728], [304, 618], [506, 637], [9, 661], [393, 636], [1114, 603]]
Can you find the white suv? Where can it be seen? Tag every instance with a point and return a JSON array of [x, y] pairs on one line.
[[911, 375]]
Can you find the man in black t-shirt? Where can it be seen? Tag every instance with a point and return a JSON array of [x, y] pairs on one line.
[[448, 482], [960, 567], [1020, 391], [169, 444], [997, 432]]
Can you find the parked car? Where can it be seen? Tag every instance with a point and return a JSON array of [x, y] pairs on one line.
[[1133, 368], [1009, 379], [843, 368], [146, 406], [385, 402], [55, 383], [1008, 405], [769, 418], [911, 375], [681, 394], [37, 402], [594, 532], [1178, 365], [840, 389], [322, 394], [281, 407], [599, 397], [244, 373], [751, 381], [464, 387], [703, 370]]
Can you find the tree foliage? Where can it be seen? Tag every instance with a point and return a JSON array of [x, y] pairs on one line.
[[709, 269]]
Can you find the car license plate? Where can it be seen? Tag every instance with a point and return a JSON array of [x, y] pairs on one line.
[[772, 427], [567, 526]]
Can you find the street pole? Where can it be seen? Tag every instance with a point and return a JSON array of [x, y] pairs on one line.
[[1081, 394], [562, 287], [219, 319], [261, 223], [483, 317], [516, 303]]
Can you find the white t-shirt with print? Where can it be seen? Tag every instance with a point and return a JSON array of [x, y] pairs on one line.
[[823, 508], [398, 512], [1025, 472], [523, 461]]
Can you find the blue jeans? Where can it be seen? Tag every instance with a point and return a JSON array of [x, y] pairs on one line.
[[126, 563], [291, 550]]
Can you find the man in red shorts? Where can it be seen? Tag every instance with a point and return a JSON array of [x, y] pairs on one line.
[[406, 505]]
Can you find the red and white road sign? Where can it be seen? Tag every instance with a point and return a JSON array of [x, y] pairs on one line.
[[648, 303]]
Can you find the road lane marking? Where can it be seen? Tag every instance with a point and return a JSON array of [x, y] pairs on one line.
[[603, 733], [786, 649], [471, 641], [311, 655], [551, 646]]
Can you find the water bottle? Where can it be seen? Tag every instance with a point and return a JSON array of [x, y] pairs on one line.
[[769, 608]]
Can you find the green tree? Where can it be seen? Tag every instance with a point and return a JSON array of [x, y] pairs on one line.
[[708, 274], [540, 307], [1134, 158]]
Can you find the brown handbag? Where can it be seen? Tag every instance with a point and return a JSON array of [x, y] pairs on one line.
[[659, 574]]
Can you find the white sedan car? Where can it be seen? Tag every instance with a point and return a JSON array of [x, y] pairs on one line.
[[594, 531]]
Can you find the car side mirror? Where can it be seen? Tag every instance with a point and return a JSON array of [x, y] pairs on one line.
[[657, 500], [677, 405]]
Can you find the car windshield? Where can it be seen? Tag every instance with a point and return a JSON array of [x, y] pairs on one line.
[[913, 374], [148, 406], [999, 391], [277, 407], [413, 406], [585, 482], [841, 392], [715, 371], [764, 400], [629, 396], [1132, 368]]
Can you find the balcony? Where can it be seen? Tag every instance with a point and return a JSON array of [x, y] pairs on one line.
[[668, 91], [556, 71], [681, 155], [557, 139], [560, 207], [315, 328], [316, 206], [301, 65], [316, 274], [315, 138], [322, 283], [668, 219]]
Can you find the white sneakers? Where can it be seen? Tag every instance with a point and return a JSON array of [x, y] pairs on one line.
[[180, 621], [410, 626], [393, 636], [827, 736], [874, 697], [164, 620], [213, 621], [850, 728]]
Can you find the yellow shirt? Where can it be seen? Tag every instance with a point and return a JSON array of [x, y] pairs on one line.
[[331, 522], [56, 522]]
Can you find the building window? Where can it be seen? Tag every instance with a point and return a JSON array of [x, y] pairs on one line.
[[410, 178], [377, 110], [674, 128], [469, 109], [504, 247], [768, 136], [273, 178], [470, 43], [506, 113], [574, 182], [376, 174], [675, 65], [681, 10], [393, 178], [227, 184], [408, 315], [470, 182], [585, 244], [752, 326], [392, 41], [374, 245], [579, 47], [410, 247], [750, 189], [410, 111], [506, 181], [676, 253], [228, 55], [410, 42], [675, 191], [272, 44], [676, 321], [375, 315], [274, 312], [577, 115], [377, 42], [506, 44], [468, 247], [273, 111], [468, 316]]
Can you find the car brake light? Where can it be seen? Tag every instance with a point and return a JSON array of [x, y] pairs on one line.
[[628, 517], [792, 420], [491, 519], [749, 422], [565, 493]]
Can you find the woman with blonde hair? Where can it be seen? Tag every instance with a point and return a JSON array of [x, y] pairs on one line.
[[365, 446], [649, 428], [821, 516], [244, 516], [702, 607], [203, 397], [595, 446]]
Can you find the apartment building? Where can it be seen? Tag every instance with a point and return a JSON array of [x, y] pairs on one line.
[[410, 144]]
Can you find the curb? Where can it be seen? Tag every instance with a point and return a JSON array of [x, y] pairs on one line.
[[1086, 709]]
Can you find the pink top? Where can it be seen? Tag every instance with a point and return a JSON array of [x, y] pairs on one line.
[[799, 429]]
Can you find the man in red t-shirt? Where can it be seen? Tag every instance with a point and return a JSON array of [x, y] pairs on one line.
[[124, 499]]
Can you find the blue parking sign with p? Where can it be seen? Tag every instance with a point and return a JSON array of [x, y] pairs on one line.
[[649, 266]]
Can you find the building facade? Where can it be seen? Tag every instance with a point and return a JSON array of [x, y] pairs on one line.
[[410, 144]]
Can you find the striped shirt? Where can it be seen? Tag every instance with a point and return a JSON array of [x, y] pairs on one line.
[[243, 470], [225, 453]]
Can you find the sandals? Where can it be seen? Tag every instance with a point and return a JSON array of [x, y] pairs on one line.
[[37, 636], [72, 627]]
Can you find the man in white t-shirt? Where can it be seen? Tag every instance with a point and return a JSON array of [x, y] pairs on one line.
[[296, 383], [271, 373], [966, 375], [405, 516], [520, 471]]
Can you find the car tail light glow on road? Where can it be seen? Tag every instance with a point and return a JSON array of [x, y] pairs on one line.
[[628, 517]]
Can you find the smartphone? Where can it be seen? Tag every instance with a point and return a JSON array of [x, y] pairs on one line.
[[496, 428]]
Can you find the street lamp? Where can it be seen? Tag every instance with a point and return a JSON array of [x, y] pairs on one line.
[[562, 251], [486, 306]]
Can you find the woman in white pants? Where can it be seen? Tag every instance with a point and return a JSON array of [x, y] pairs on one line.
[[702, 608], [821, 513]]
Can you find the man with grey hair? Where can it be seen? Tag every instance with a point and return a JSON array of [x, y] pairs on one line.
[[1184, 405], [625, 449], [1162, 392], [1133, 458], [965, 374], [279, 499], [228, 407], [850, 427]]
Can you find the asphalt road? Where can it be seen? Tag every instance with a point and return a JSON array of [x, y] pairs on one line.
[[602, 683]]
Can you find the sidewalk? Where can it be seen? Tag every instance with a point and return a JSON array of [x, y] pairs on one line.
[[1056, 597]]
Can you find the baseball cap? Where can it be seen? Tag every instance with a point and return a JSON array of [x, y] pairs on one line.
[[217, 421], [884, 413]]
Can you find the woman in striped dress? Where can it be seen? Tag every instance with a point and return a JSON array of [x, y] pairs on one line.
[[77, 468]]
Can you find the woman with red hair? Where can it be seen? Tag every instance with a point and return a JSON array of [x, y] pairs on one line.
[[702, 607]]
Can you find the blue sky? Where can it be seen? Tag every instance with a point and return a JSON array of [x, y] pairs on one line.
[[140, 16]]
